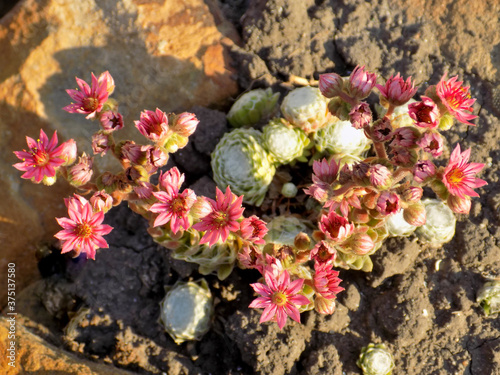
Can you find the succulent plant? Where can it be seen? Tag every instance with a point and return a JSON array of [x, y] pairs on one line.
[[219, 258], [306, 108], [284, 142], [289, 190], [489, 297], [340, 137], [186, 310], [375, 360], [240, 161], [284, 229], [251, 107], [439, 227], [397, 226]]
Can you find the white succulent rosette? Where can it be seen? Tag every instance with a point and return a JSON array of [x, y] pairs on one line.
[[186, 311], [375, 360], [340, 137], [399, 116], [489, 297], [284, 142], [251, 107], [397, 226], [240, 161], [439, 226], [306, 108]]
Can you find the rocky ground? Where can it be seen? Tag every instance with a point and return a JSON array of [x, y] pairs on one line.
[[419, 301]]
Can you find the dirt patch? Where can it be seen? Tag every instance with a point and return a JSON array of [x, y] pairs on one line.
[[416, 297]]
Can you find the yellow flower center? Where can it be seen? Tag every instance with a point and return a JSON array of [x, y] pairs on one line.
[[84, 230], [279, 299], [90, 104], [455, 177]]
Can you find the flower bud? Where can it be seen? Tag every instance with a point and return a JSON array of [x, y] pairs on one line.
[[136, 173], [324, 305], [415, 214], [361, 83], [110, 82], [360, 115], [101, 201], [440, 189], [358, 215], [359, 244], [412, 194], [380, 176], [184, 124], [330, 84], [397, 226], [200, 208], [81, 173], [459, 205], [69, 152], [302, 241]]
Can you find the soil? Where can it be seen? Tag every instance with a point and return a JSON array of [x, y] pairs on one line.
[[420, 301]]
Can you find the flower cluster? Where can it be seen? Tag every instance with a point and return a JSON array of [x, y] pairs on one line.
[[354, 201]]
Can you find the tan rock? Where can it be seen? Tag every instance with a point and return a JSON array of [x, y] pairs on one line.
[[165, 54], [34, 355]]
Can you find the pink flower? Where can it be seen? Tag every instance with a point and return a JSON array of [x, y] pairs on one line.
[[326, 281], [432, 143], [173, 206], [361, 82], [323, 253], [325, 172], [42, 159], [397, 91], [381, 130], [253, 229], [154, 125], [100, 143], [459, 175], [424, 113], [403, 156], [155, 158], [360, 115], [423, 170], [222, 219], [456, 98], [133, 153], [330, 84], [81, 173], [335, 227], [279, 298], [83, 230], [90, 99], [111, 121], [250, 256], [388, 203], [185, 124], [405, 137], [144, 190]]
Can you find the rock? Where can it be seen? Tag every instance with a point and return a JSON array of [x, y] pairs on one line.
[[166, 54], [34, 355]]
